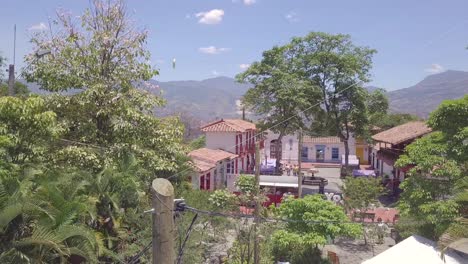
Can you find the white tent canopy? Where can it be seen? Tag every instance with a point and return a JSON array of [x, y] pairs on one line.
[[414, 250]]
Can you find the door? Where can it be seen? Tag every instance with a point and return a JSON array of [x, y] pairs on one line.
[[360, 155], [320, 153]]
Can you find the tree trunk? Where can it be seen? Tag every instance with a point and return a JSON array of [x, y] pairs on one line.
[[278, 153], [346, 148]]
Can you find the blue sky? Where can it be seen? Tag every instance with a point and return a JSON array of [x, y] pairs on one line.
[[215, 37]]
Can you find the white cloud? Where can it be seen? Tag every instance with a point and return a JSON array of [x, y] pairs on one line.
[[244, 66], [188, 16], [435, 68], [215, 73], [38, 27], [291, 17], [249, 2], [212, 50], [211, 17]]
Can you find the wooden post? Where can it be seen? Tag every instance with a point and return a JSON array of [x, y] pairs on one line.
[[257, 204], [163, 222], [11, 80], [299, 165]]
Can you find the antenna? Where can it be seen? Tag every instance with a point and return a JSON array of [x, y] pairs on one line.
[[14, 45]]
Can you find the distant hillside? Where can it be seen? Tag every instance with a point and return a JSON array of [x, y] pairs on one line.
[[218, 97], [426, 95], [207, 99]]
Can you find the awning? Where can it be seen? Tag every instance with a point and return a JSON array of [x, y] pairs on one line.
[[366, 173], [279, 184]]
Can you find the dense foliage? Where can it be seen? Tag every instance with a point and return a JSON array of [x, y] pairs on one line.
[[435, 193], [312, 221], [75, 169]]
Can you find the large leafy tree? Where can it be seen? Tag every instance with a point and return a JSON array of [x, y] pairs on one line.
[[337, 69], [104, 56], [279, 95], [435, 193]]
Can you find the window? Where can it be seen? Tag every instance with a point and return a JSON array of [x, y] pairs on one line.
[[228, 168], [274, 153], [335, 153], [290, 143], [305, 153]]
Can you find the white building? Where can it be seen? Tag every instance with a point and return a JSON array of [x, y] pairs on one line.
[[214, 168], [314, 149], [288, 148], [229, 151]]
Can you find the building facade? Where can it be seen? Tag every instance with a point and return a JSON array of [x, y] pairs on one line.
[[229, 151], [314, 149], [390, 144]]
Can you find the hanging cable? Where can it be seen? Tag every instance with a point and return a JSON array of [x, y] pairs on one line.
[[134, 259], [189, 231]]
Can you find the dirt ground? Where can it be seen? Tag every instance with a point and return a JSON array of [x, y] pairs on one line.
[[354, 251]]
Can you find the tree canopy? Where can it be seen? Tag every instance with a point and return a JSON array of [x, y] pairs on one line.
[[435, 191]]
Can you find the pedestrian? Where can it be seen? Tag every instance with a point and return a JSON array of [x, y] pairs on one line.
[[381, 230], [288, 169], [296, 170], [321, 188]]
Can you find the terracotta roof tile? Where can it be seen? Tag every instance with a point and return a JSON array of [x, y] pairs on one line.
[[205, 159], [402, 133], [229, 125], [323, 140]]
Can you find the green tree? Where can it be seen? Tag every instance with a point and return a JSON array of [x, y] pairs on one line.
[[20, 89], [2, 64], [336, 69], [360, 193], [27, 128], [104, 55], [197, 143], [435, 193], [311, 221], [386, 121], [279, 95]]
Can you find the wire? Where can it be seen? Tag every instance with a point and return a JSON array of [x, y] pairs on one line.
[[189, 231], [138, 256]]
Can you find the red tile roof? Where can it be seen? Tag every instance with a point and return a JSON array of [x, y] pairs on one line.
[[322, 140], [402, 133], [205, 159], [229, 125]]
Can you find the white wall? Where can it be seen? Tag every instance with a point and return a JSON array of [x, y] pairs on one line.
[[289, 145], [312, 150], [222, 140]]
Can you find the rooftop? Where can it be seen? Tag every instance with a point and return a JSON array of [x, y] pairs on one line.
[[403, 133], [205, 159], [229, 125], [323, 140]]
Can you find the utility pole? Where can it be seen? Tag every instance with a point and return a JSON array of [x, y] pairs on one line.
[[11, 80], [257, 204], [11, 68], [162, 196], [299, 161]]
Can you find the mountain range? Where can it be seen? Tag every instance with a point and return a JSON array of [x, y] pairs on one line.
[[213, 98], [219, 97]]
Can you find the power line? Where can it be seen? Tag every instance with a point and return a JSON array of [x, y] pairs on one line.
[[134, 259], [189, 231]]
